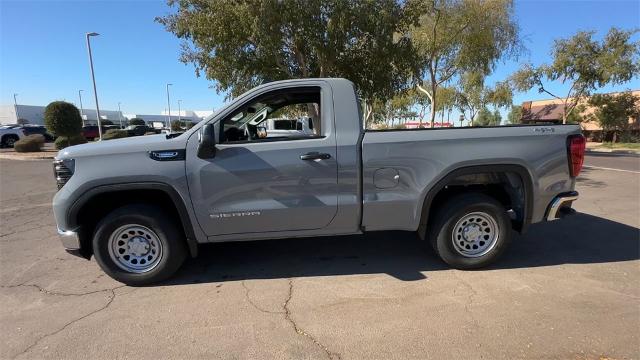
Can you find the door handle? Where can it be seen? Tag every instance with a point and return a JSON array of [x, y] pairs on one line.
[[315, 156]]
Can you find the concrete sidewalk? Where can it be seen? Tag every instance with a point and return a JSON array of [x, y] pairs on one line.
[[597, 147]]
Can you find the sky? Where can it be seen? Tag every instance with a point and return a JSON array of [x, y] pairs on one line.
[[43, 53]]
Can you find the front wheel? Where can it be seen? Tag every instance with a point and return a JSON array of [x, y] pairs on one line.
[[9, 140], [470, 231], [138, 245]]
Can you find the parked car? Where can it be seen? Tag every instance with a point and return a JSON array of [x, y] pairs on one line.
[[279, 127], [9, 134], [90, 132], [139, 130], [38, 129], [140, 206]]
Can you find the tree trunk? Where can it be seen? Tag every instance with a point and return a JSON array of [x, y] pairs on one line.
[[434, 89], [430, 96]]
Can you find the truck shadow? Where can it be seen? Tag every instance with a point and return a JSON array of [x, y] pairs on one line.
[[580, 239]]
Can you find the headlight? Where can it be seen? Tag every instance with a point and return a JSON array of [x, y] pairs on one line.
[[63, 170]]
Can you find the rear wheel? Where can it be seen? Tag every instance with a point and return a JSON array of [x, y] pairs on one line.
[[138, 245], [470, 231]]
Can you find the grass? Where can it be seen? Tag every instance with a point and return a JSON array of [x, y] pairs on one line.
[[609, 145]]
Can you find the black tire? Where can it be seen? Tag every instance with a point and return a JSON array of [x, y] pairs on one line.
[[9, 140], [173, 244], [440, 231]]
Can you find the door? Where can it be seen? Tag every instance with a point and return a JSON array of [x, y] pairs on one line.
[[267, 184]]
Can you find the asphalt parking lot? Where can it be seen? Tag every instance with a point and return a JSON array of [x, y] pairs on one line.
[[566, 290]]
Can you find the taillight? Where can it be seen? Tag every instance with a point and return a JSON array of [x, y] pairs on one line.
[[575, 151]]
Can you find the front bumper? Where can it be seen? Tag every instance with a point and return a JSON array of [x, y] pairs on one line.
[[70, 239], [561, 206]]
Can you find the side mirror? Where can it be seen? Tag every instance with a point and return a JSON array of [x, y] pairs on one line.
[[262, 132], [207, 138]]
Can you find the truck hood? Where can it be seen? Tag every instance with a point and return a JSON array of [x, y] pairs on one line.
[[122, 146]]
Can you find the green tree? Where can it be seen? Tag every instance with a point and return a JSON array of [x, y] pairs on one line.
[[136, 121], [454, 36], [474, 96], [515, 115], [63, 119], [241, 44], [484, 117], [447, 97], [614, 110], [496, 120], [585, 65], [576, 116]]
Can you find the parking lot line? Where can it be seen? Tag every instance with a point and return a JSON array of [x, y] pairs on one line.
[[611, 169]]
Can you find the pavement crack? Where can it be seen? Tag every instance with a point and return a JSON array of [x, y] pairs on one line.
[[470, 299], [56, 293], [288, 316], [112, 296], [248, 297]]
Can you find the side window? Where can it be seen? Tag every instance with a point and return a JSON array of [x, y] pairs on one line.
[[281, 115]]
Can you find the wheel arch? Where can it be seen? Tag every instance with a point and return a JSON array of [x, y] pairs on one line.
[[453, 177], [87, 210]]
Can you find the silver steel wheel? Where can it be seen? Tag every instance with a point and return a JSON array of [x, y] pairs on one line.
[[135, 248], [475, 234]]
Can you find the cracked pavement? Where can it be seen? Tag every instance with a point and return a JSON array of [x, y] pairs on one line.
[[567, 289]]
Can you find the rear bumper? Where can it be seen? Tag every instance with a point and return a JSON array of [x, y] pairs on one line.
[[561, 206]]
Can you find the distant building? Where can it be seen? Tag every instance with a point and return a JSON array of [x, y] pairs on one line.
[[35, 115], [194, 116], [550, 111]]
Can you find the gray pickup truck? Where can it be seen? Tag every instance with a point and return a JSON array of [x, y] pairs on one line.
[[141, 205]]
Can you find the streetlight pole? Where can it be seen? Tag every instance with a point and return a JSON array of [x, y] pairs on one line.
[[179, 113], [81, 109], [93, 77], [15, 107], [168, 107], [120, 115]]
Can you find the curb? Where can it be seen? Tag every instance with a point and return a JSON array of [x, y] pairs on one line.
[[615, 151], [26, 158]]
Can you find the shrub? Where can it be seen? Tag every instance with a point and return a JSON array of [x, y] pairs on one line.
[[63, 141], [629, 137], [62, 119], [106, 122], [31, 143], [176, 125], [114, 134], [137, 121]]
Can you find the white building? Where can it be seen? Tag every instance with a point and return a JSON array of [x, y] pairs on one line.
[[35, 115], [194, 116]]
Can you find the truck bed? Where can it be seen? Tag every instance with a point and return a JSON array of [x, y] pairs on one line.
[[401, 166]]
